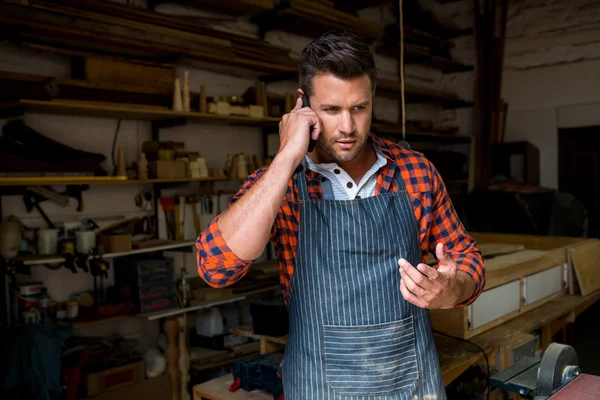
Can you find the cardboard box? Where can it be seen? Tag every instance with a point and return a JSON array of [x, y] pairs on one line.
[[162, 169], [114, 378], [115, 243]]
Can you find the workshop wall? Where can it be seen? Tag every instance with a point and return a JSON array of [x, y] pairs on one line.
[[551, 71], [107, 203]]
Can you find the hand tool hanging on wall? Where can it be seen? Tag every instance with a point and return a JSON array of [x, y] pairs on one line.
[[99, 270], [168, 205]]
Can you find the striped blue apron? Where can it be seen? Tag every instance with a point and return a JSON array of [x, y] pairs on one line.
[[352, 335]]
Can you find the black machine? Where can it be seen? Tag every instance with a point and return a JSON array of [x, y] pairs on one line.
[[259, 373], [556, 376]]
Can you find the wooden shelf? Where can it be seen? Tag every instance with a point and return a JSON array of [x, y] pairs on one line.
[[419, 55], [238, 7], [57, 259], [199, 305], [93, 180], [125, 111], [314, 18], [416, 94]]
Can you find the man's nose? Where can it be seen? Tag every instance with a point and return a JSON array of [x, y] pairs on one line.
[[346, 124]]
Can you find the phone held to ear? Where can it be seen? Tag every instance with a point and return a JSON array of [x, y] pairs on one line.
[[312, 143]]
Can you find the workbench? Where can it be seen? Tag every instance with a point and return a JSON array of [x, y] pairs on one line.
[[456, 356]]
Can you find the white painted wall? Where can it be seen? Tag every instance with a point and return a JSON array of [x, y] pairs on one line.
[[551, 71]]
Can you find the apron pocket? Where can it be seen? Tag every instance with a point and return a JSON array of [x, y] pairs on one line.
[[372, 359]]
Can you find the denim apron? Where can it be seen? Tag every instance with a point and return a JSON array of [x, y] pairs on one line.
[[352, 335]]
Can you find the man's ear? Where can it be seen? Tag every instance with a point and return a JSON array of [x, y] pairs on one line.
[[300, 92]]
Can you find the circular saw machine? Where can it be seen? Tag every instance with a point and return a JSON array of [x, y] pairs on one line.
[[556, 376]]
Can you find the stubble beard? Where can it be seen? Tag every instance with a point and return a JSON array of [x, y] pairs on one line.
[[342, 156]]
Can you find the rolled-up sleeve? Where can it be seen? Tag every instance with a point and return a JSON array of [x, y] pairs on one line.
[[217, 265], [447, 228]]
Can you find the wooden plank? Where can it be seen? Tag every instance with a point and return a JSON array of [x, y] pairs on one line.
[[496, 249], [518, 257], [108, 44], [114, 21], [180, 23], [500, 270], [248, 331], [584, 257], [218, 389], [101, 30], [534, 242], [536, 318], [132, 112], [238, 7], [103, 71]]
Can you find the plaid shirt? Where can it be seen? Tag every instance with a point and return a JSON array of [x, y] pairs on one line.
[[434, 212]]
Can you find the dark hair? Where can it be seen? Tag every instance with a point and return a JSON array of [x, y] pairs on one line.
[[342, 54]]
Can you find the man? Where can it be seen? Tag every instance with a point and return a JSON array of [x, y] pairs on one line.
[[358, 217]]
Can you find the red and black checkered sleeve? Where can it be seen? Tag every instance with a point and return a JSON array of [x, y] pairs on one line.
[[216, 263], [447, 228]]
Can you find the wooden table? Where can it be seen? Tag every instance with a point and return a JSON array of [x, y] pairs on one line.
[[456, 356], [218, 389]]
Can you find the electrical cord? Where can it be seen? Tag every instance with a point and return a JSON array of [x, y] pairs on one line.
[[487, 361]]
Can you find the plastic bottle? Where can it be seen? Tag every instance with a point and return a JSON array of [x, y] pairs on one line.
[[209, 322], [45, 303]]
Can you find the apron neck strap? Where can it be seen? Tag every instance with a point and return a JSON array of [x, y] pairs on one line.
[[302, 185]]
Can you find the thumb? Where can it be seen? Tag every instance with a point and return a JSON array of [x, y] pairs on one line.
[[440, 252]]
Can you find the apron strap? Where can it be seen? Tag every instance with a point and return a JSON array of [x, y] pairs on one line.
[[326, 187], [302, 185]]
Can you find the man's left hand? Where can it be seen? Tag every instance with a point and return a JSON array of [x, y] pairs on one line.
[[427, 287]]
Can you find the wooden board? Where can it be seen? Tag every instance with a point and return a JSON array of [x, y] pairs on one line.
[[533, 242], [218, 389], [518, 257], [102, 70], [248, 331], [131, 112], [536, 318], [584, 257], [495, 249]]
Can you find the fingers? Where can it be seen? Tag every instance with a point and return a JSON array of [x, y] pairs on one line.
[[411, 298], [414, 278], [298, 104], [429, 272]]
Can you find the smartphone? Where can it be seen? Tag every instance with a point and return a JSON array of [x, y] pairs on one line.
[[312, 143]]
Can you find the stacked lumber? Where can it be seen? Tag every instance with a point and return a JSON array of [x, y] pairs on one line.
[[109, 28], [413, 93], [237, 7], [16, 86], [313, 18]]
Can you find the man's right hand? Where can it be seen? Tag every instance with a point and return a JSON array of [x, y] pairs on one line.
[[294, 131]]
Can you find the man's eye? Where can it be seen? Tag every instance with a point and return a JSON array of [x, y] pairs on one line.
[[331, 109], [359, 108]]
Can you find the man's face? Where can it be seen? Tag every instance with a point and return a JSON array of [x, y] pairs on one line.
[[345, 109]]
